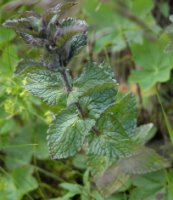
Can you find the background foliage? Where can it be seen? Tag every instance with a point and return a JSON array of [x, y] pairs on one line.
[[135, 38]]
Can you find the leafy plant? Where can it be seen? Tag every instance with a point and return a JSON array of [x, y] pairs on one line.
[[93, 116]]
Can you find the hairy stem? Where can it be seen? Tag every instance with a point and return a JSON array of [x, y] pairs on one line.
[[68, 87]]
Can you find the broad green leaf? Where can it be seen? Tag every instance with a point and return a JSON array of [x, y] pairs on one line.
[[144, 160], [94, 78], [15, 185], [16, 146], [47, 85], [112, 148], [6, 35], [67, 133], [144, 133], [123, 112], [151, 186], [156, 68], [98, 102]]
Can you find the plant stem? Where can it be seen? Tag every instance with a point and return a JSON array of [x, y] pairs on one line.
[[68, 87]]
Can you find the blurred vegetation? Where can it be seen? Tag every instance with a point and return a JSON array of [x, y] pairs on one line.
[[135, 38]]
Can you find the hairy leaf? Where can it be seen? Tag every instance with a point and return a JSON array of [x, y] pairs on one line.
[[47, 85], [98, 102], [24, 65], [64, 34], [67, 133], [124, 111], [33, 41], [94, 78]]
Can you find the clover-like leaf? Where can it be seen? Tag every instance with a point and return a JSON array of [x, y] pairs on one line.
[[66, 135], [47, 85]]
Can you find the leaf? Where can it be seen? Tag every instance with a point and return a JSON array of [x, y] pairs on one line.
[[98, 102], [6, 35], [67, 133], [124, 110], [94, 78], [9, 59], [33, 41], [111, 148], [15, 185], [77, 42], [144, 133], [156, 68], [47, 85], [64, 34], [58, 10], [117, 129], [150, 187], [25, 64], [144, 160]]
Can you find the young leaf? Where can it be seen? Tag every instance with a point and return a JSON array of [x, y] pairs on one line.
[[47, 85], [67, 133], [24, 65], [94, 78]]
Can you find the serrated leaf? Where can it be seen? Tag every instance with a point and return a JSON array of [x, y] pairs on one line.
[[30, 25], [77, 42], [67, 133], [24, 65], [64, 34], [124, 111], [94, 78], [47, 85], [144, 133], [144, 160], [98, 102], [33, 41], [58, 10], [112, 148]]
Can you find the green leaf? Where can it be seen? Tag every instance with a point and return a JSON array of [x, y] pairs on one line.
[[47, 85], [144, 133], [149, 186], [15, 185], [24, 65], [94, 78], [67, 133], [66, 33], [77, 42], [123, 112], [156, 68], [6, 35], [98, 102], [9, 59], [144, 160], [111, 147]]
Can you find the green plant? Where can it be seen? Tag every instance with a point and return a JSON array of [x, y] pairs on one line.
[[92, 116]]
